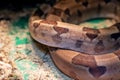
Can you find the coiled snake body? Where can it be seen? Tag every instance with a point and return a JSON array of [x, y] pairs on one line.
[[82, 53]]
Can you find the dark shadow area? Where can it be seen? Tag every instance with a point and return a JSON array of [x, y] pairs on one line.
[[19, 4]]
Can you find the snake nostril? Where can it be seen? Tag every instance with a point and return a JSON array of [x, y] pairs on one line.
[[35, 25]]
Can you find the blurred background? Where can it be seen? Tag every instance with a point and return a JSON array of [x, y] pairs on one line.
[[18, 4], [32, 63]]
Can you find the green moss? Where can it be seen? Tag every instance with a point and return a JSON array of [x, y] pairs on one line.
[[26, 76], [95, 27], [32, 65], [25, 51], [28, 66], [21, 41], [28, 33], [96, 21]]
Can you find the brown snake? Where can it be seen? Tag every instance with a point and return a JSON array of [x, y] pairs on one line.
[[92, 54]]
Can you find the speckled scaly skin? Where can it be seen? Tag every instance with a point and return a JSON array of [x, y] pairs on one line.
[[92, 54]]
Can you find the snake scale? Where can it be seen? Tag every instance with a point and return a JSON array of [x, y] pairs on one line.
[[80, 52]]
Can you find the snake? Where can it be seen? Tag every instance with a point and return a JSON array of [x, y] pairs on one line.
[[81, 52]]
